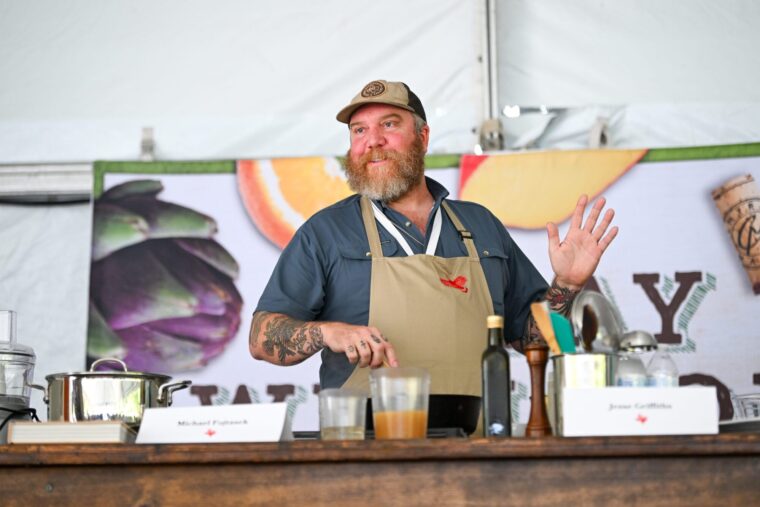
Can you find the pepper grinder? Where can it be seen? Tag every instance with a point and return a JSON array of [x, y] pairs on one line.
[[538, 422]]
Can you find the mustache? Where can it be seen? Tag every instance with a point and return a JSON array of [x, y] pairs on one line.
[[403, 169], [379, 154]]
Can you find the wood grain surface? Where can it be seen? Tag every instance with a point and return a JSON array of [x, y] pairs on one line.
[[651, 471]]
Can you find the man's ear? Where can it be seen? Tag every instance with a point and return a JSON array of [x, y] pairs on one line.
[[425, 136]]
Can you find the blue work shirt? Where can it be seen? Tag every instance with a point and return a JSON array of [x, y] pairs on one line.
[[324, 272]]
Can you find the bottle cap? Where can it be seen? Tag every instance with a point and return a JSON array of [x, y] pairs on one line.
[[495, 321]]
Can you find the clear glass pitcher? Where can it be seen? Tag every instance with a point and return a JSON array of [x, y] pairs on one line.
[[16, 365]]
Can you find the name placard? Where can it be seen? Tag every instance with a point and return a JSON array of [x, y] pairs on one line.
[[256, 422], [619, 411]]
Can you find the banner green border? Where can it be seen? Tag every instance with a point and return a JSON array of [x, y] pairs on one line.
[[652, 155], [702, 152], [100, 168], [431, 161]]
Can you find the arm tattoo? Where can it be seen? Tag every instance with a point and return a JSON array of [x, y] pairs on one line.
[[258, 319], [560, 300], [291, 340], [531, 334]]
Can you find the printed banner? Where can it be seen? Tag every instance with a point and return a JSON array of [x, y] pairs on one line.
[[183, 250], [673, 270]]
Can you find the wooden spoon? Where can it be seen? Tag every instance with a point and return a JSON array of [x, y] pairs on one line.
[[541, 314]]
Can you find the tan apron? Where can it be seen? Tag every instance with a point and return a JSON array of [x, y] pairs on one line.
[[432, 309]]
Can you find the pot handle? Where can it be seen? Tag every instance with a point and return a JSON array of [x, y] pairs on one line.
[[44, 392], [168, 389], [109, 360]]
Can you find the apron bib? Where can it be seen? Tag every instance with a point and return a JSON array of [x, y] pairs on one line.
[[432, 309]]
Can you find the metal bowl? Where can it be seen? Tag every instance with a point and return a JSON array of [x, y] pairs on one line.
[[609, 322], [638, 340]]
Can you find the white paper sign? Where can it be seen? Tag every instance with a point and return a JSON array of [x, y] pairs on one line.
[[259, 422], [613, 411]]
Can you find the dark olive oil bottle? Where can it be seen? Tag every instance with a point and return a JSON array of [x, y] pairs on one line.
[[497, 418]]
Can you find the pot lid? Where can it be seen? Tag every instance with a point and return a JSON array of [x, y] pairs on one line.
[[123, 373], [110, 374], [17, 349]]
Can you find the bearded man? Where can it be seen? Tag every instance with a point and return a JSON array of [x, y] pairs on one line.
[[399, 274]]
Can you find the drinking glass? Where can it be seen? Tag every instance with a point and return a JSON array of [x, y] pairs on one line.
[[400, 399], [342, 414]]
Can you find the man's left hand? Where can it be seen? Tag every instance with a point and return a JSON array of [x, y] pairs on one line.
[[575, 258]]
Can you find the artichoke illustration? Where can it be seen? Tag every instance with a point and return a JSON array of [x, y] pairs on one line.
[[162, 295]]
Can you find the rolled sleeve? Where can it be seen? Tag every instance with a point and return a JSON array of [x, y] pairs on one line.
[[527, 286], [296, 287]]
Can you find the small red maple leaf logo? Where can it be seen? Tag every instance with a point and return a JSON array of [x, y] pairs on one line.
[[210, 432], [641, 418], [457, 283]]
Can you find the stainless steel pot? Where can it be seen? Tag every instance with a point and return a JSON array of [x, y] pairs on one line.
[[107, 395]]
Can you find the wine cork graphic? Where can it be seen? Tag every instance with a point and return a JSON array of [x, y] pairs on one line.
[[738, 202]]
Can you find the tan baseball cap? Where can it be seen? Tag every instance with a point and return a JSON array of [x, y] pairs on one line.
[[393, 93]]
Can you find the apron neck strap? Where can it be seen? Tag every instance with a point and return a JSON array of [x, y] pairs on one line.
[[466, 235], [370, 226]]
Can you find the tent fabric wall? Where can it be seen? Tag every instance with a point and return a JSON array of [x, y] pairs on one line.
[[235, 79], [607, 52], [44, 277], [225, 79], [657, 73]]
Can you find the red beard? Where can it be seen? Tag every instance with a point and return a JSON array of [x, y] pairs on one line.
[[401, 172]]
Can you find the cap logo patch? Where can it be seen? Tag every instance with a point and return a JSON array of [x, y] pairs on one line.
[[373, 89]]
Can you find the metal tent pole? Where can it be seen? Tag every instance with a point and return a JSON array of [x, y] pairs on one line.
[[491, 135]]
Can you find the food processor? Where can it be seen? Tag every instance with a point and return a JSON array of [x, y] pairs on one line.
[[16, 373]]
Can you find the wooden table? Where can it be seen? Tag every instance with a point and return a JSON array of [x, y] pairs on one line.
[[719, 470]]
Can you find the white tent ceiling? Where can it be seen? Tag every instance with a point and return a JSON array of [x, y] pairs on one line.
[[228, 79], [656, 72], [612, 52]]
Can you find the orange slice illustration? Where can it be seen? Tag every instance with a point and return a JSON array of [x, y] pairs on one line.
[[281, 194], [527, 190]]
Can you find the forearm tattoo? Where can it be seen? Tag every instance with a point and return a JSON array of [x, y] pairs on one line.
[[560, 300], [258, 319], [288, 339], [532, 334]]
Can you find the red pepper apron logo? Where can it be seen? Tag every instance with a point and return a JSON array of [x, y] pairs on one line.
[[457, 283]]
